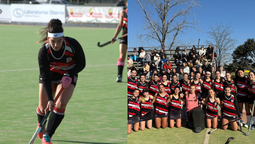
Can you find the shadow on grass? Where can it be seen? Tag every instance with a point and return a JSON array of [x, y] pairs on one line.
[[67, 141]]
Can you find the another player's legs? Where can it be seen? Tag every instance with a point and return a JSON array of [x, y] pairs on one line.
[[129, 128], [234, 125], [121, 61], [171, 123], [164, 122], [58, 113], [42, 105], [149, 124], [136, 126], [208, 122], [158, 122], [214, 122], [224, 121], [178, 123], [142, 125]]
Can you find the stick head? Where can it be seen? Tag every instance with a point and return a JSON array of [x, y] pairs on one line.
[[209, 132], [231, 138]]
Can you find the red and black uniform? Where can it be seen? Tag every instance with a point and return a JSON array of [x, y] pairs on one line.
[[251, 91], [174, 85], [161, 105], [185, 86], [241, 84], [207, 85], [141, 86], [230, 84], [211, 110], [219, 89], [124, 26], [133, 110], [175, 108], [146, 110], [153, 88], [70, 60], [167, 87], [230, 108], [131, 86], [198, 86]]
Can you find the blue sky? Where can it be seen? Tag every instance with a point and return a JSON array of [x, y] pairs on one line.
[[240, 15]]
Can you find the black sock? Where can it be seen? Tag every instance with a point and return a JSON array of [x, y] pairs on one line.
[[54, 121], [120, 70], [40, 115]]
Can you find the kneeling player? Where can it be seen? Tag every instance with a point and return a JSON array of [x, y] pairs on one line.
[[230, 109], [133, 112], [146, 109], [175, 108], [251, 97]]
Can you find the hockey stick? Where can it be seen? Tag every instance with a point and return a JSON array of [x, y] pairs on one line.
[[251, 119], [44, 119], [223, 125], [106, 43], [229, 139]]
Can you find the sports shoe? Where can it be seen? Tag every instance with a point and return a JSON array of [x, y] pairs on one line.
[[253, 127], [46, 139], [40, 134], [119, 79], [245, 125]]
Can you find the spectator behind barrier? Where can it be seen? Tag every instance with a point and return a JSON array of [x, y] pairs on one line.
[[167, 65], [129, 62], [162, 61], [209, 52], [162, 53], [147, 58]]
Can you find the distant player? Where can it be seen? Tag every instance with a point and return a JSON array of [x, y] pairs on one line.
[[123, 42], [133, 111], [60, 60], [251, 97]]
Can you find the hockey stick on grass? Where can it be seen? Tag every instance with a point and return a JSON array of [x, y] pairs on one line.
[[106, 43], [44, 119], [223, 125]]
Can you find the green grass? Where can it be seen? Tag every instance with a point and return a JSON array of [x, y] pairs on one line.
[[96, 112]]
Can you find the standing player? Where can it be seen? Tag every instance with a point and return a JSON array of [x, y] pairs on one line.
[[175, 108], [154, 85], [166, 84], [241, 84], [123, 42], [185, 84], [161, 109], [229, 82], [218, 85], [142, 84], [207, 85], [251, 97], [146, 109], [230, 109], [60, 59], [174, 83], [198, 82], [133, 111], [132, 83]]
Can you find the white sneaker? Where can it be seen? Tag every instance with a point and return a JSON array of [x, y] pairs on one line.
[[245, 125]]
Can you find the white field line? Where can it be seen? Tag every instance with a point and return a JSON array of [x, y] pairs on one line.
[[29, 69], [207, 136]]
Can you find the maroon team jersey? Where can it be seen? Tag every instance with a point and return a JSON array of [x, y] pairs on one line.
[[131, 86], [133, 107], [251, 88], [198, 86], [161, 104], [146, 107], [153, 88], [167, 87], [230, 107], [141, 87], [218, 88], [207, 85], [185, 86], [176, 104], [241, 84], [211, 109], [230, 84], [174, 85]]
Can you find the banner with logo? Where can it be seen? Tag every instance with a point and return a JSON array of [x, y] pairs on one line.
[[94, 14], [5, 13], [37, 13]]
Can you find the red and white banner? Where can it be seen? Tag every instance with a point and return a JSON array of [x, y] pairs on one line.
[[93, 14]]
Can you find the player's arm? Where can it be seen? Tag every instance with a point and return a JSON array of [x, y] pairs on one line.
[[79, 58], [44, 67], [118, 29], [154, 99]]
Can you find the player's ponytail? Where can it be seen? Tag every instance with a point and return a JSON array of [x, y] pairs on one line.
[[54, 26]]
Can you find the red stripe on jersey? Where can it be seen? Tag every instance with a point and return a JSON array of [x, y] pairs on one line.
[[57, 71], [62, 64], [229, 113], [67, 43], [67, 53]]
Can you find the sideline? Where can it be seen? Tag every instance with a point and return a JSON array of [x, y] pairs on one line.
[[207, 136]]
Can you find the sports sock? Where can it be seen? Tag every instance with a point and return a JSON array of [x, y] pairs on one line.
[[253, 118], [248, 117], [241, 114], [55, 119], [40, 115], [120, 64]]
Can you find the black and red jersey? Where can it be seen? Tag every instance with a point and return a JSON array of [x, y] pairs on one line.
[[207, 85], [185, 86], [230, 106], [133, 107], [125, 22], [176, 104], [141, 87], [173, 85], [131, 86], [198, 86], [241, 84], [211, 109], [70, 59], [167, 87], [251, 88], [218, 88], [146, 107], [153, 87], [161, 104], [231, 84]]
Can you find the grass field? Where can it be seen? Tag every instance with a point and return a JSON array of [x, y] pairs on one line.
[[97, 111]]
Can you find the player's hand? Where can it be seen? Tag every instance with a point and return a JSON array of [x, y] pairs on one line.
[[50, 106], [113, 40], [66, 81]]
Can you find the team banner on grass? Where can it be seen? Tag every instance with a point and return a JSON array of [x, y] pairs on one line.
[[37, 13], [94, 14], [5, 13]]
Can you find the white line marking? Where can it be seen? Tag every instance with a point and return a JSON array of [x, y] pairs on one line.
[[28, 69], [207, 136]]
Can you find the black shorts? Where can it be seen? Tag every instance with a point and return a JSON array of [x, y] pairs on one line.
[[134, 119], [174, 115], [251, 99], [123, 40], [242, 99], [229, 118], [146, 117], [220, 96], [57, 80], [160, 115]]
